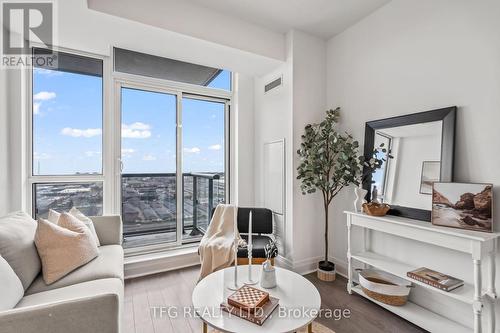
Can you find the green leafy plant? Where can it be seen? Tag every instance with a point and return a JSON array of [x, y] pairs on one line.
[[330, 161]]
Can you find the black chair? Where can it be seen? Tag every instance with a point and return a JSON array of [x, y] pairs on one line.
[[262, 229]]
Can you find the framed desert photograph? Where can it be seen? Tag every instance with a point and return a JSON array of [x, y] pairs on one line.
[[463, 205], [430, 173]]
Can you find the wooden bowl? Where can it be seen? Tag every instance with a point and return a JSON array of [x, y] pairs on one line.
[[376, 209]]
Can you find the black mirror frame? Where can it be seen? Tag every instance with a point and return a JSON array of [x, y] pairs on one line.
[[448, 116]]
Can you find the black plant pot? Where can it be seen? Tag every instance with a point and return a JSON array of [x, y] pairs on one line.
[[326, 266], [326, 271]]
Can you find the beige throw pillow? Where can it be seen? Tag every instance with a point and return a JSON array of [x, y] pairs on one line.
[[63, 248], [54, 218]]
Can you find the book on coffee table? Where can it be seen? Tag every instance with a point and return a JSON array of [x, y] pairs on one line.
[[258, 316], [435, 279]]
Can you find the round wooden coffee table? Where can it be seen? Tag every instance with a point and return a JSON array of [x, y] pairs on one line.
[[299, 302]]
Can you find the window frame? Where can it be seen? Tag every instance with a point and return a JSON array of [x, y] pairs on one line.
[[31, 177]]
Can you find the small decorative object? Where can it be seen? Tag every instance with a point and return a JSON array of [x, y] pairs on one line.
[[384, 287], [435, 279], [268, 275], [375, 194], [463, 205], [243, 304], [248, 298], [376, 209], [360, 194], [431, 172]]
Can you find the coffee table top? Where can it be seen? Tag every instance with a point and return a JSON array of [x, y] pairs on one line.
[[299, 301]]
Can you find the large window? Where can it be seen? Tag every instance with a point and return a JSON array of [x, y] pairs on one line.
[[67, 128], [158, 158]]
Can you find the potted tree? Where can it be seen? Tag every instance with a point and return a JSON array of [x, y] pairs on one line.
[[329, 161]]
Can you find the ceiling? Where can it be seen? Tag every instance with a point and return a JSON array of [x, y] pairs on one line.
[[323, 18]]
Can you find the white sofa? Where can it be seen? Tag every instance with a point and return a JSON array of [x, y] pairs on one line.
[[89, 299]]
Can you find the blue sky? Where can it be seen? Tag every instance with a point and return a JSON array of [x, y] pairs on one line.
[[67, 127]]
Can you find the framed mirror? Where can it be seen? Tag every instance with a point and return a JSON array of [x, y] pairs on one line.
[[421, 146]]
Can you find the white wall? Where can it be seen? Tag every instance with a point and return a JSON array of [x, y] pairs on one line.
[[273, 121], [283, 113], [309, 106], [4, 147], [412, 56], [244, 111]]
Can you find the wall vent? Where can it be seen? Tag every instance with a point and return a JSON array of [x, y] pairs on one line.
[[273, 84]]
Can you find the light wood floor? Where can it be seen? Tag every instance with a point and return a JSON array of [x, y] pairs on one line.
[[174, 289]]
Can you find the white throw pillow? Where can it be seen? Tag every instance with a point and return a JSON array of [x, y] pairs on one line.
[[53, 216], [65, 247], [87, 221], [11, 288], [17, 232]]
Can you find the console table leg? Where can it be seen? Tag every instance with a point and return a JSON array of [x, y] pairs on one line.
[[310, 328], [478, 304], [491, 283], [349, 261], [205, 327]]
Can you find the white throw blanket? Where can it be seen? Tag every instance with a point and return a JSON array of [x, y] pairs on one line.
[[216, 246]]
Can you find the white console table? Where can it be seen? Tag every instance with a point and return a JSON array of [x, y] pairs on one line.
[[480, 246]]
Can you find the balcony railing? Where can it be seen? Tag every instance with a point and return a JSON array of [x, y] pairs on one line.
[[149, 203]]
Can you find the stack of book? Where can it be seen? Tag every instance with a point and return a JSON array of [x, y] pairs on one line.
[[250, 303], [435, 279]]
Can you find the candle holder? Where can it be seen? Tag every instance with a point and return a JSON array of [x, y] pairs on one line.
[[235, 285], [250, 281], [250, 250]]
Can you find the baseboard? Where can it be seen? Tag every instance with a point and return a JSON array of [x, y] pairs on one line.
[[148, 264], [310, 265]]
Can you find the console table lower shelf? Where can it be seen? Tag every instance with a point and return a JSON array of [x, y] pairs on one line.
[[419, 316]]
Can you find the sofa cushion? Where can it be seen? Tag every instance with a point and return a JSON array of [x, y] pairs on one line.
[[17, 246], [109, 264], [80, 290], [11, 287]]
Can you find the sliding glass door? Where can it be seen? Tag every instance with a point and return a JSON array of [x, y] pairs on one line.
[[170, 139], [203, 167], [148, 159]]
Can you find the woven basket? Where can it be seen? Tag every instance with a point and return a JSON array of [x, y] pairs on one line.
[[376, 209], [384, 287]]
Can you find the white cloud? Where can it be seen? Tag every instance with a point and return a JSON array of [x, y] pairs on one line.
[[77, 133], [215, 147], [91, 153], [149, 157], [194, 150], [47, 72], [41, 156], [127, 152], [44, 96], [136, 130], [36, 108]]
